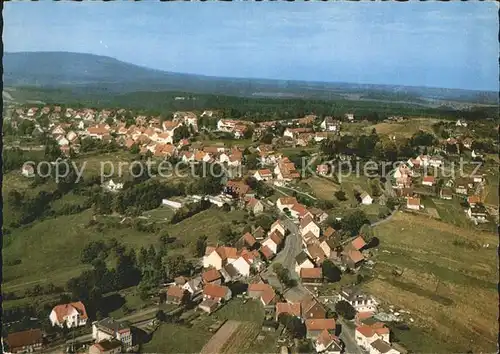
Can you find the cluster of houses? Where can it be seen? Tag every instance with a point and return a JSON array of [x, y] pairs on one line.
[[109, 336], [466, 188], [223, 264]]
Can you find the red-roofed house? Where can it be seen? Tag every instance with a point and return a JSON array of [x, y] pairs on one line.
[[322, 170], [278, 226], [263, 175], [219, 257], [255, 206], [413, 203], [311, 275], [72, 314], [267, 253], [25, 341], [262, 291], [328, 343], [176, 295], [358, 243], [285, 202], [274, 241], [212, 276], [473, 200], [316, 326], [429, 181], [216, 293], [308, 225], [365, 335], [288, 308]]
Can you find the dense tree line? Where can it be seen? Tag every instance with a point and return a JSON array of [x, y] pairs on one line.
[[190, 210]]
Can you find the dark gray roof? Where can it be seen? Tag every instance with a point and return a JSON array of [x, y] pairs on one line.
[[231, 270], [111, 326], [301, 257], [381, 346], [109, 344]]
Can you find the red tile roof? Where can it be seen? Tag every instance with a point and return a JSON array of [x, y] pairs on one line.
[[215, 291], [63, 310], [413, 201], [355, 256], [175, 291], [285, 307], [266, 251], [329, 231], [24, 338], [311, 273], [358, 243], [320, 324], [211, 275], [249, 239], [288, 200]]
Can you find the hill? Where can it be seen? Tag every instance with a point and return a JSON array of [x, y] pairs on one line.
[[62, 70]]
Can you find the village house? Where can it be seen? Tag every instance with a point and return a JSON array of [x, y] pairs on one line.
[[473, 200], [219, 257], [322, 170], [462, 186], [461, 123], [71, 315], [247, 240], [413, 203], [237, 189], [302, 260], [312, 308], [315, 252], [299, 211], [308, 225], [274, 241], [278, 226], [176, 295], [320, 136], [255, 206], [349, 117], [446, 193], [329, 125], [467, 143], [315, 327], [382, 347], [106, 347], [436, 161], [318, 215], [477, 213], [112, 186], [361, 302], [293, 309], [24, 342], [328, 343], [365, 198], [428, 181], [216, 293], [285, 203], [108, 328], [311, 275], [262, 291], [263, 175], [285, 171], [267, 253], [352, 258], [208, 306], [193, 286], [212, 276]]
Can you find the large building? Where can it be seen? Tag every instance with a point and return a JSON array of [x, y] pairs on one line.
[[108, 329]]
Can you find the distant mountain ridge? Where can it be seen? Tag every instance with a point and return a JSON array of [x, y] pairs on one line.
[[66, 69]]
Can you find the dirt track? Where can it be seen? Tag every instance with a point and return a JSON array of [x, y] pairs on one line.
[[217, 341]]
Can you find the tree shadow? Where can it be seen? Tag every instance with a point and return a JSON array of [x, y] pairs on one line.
[[111, 303]]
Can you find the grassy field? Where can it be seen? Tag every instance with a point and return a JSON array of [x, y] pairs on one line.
[[449, 282], [173, 338], [49, 250], [402, 129], [322, 187], [208, 223]]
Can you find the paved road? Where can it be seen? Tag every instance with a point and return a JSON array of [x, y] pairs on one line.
[[348, 337]]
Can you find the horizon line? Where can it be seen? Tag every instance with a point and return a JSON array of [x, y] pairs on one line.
[[261, 78]]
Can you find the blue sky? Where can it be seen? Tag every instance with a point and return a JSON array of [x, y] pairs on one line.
[[452, 45]]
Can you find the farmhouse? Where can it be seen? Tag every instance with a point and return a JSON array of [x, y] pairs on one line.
[[277, 226], [329, 125], [262, 291], [312, 308], [72, 314], [322, 170], [274, 241], [293, 309], [328, 343], [473, 200], [193, 286], [446, 193], [255, 206], [285, 203]]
